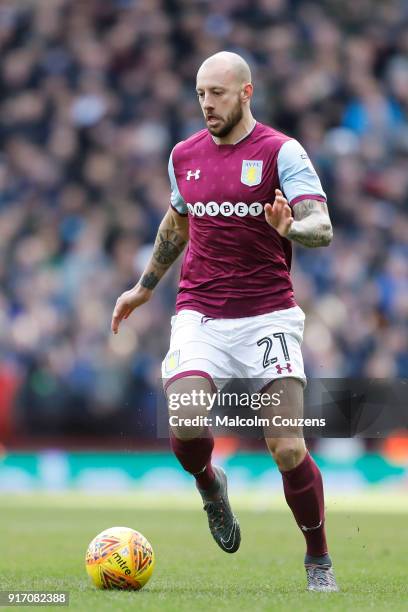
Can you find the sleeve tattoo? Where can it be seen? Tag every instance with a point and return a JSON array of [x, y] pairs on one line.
[[167, 247], [312, 226]]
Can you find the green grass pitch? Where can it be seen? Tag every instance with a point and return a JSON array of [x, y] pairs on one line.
[[44, 537]]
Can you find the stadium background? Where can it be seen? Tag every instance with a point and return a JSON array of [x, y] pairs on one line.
[[93, 97]]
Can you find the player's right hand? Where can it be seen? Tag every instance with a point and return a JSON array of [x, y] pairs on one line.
[[127, 302]]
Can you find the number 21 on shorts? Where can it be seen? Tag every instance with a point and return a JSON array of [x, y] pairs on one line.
[[267, 344]]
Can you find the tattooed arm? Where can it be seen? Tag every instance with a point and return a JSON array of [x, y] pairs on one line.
[[310, 226], [172, 237]]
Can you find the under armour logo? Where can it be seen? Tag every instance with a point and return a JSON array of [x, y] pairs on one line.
[[280, 368], [196, 174]]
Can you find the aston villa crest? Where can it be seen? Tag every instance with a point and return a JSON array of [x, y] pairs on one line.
[[251, 173]]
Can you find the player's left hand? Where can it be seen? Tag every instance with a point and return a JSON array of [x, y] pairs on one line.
[[279, 214]]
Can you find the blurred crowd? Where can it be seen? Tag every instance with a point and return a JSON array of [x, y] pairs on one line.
[[93, 97]]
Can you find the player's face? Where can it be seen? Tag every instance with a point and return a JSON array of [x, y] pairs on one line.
[[221, 105]]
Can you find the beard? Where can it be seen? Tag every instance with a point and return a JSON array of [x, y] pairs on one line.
[[228, 124]]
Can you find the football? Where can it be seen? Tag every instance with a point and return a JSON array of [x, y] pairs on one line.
[[119, 558]]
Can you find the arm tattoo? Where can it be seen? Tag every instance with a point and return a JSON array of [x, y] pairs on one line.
[[149, 281], [302, 209], [168, 247], [312, 226]]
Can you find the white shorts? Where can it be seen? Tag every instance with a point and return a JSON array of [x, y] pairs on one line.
[[261, 348]]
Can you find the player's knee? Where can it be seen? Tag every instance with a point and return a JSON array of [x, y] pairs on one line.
[[188, 422], [188, 411], [287, 454], [187, 432]]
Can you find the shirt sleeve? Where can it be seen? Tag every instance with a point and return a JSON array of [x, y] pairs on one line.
[[176, 199], [297, 176]]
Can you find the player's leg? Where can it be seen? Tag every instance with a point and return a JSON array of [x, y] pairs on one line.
[[271, 352], [192, 442], [302, 482], [190, 366], [195, 359]]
